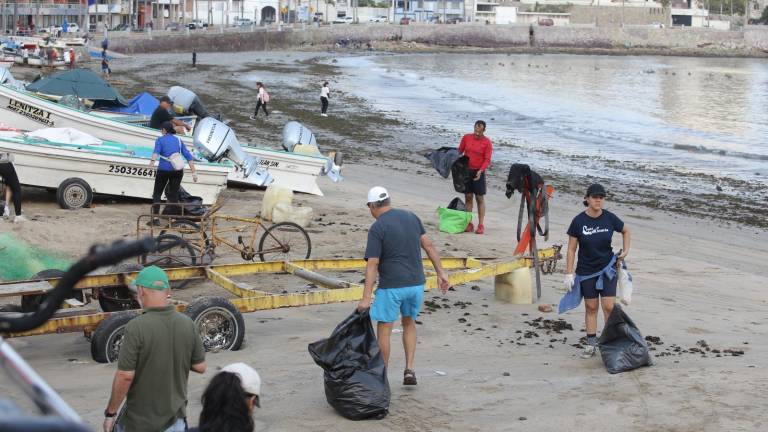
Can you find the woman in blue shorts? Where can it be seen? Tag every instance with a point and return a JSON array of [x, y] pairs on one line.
[[591, 233]]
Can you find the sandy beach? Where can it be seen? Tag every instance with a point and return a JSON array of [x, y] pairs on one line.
[[696, 279]]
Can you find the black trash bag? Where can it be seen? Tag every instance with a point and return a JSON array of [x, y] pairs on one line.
[[461, 174], [193, 205], [356, 384], [621, 344], [457, 204]]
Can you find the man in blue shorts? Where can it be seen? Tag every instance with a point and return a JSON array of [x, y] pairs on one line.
[[393, 254]]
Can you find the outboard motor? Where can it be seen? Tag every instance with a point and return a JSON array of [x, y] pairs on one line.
[[216, 141], [295, 133], [187, 102]]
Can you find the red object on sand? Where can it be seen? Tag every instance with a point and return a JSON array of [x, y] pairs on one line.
[[525, 238]]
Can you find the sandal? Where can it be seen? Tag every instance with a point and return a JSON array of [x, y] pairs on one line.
[[409, 377]]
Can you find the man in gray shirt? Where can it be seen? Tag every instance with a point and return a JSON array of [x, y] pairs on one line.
[[393, 254]]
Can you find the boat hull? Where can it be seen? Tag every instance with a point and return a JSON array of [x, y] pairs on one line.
[[49, 165], [26, 111]]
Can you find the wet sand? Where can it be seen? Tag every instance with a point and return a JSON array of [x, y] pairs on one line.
[[695, 280]]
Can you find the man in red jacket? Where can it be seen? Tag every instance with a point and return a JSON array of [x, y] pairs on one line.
[[478, 148]]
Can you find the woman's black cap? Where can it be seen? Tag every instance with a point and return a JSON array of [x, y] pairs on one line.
[[595, 189]]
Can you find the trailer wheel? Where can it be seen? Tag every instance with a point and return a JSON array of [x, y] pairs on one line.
[[113, 299], [219, 323], [30, 303], [108, 336], [74, 193]]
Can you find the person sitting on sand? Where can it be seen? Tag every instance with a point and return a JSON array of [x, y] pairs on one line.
[[591, 232]]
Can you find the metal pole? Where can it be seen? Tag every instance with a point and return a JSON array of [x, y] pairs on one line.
[[33, 385]]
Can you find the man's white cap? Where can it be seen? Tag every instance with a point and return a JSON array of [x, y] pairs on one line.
[[249, 378], [376, 194]]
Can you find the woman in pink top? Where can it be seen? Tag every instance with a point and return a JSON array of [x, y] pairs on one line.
[[478, 148], [261, 100]]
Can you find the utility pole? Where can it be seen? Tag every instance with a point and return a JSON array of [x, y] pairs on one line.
[[746, 14]]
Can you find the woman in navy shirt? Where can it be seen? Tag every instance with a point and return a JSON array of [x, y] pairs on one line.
[[591, 233], [165, 146]]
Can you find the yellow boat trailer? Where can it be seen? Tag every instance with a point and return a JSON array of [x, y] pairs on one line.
[[219, 320]]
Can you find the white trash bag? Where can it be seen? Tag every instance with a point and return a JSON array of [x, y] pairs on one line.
[[625, 285]]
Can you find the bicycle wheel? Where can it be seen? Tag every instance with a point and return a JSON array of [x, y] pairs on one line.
[[284, 241], [180, 255]]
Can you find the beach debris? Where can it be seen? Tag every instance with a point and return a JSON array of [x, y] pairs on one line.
[[397, 330], [440, 373], [545, 308], [506, 374]]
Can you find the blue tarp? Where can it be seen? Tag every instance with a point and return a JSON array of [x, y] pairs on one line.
[[143, 103]]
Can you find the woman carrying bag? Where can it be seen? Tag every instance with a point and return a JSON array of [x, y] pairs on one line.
[[173, 156], [596, 274]]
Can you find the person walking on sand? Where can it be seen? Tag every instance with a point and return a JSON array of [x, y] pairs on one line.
[[229, 399], [261, 100], [194, 58], [172, 153], [325, 94], [393, 254], [12, 188], [158, 349], [595, 278], [105, 70], [478, 148]]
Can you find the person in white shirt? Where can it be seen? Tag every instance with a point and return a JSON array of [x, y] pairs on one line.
[[325, 94]]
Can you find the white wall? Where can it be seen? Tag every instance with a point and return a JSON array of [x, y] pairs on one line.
[[506, 15]]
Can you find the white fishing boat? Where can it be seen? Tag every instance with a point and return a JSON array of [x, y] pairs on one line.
[[292, 170], [78, 166], [6, 63]]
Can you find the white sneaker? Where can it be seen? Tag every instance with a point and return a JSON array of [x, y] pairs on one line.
[[589, 351], [7, 212], [252, 118], [19, 219], [324, 115]]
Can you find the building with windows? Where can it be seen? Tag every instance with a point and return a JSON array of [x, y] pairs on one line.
[[31, 15], [225, 12], [430, 10]]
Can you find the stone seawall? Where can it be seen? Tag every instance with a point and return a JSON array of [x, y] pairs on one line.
[[751, 42]]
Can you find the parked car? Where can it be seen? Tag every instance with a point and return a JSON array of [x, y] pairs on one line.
[[344, 20], [73, 28], [656, 24], [242, 22], [454, 20], [173, 26], [197, 24], [546, 22], [380, 18], [405, 21]]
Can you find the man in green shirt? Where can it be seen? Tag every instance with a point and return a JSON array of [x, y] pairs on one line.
[[158, 350]]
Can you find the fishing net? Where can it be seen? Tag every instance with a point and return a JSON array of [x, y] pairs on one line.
[[20, 260]]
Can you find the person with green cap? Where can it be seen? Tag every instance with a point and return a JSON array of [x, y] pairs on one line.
[[158, 350]]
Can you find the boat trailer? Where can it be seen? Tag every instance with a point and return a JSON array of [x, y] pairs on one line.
[[219, 320]]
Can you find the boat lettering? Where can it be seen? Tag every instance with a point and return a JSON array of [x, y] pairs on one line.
[[269, 164], [131, 171], [30, 111]]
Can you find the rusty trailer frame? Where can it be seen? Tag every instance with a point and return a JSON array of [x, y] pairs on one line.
[[247, 299]]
